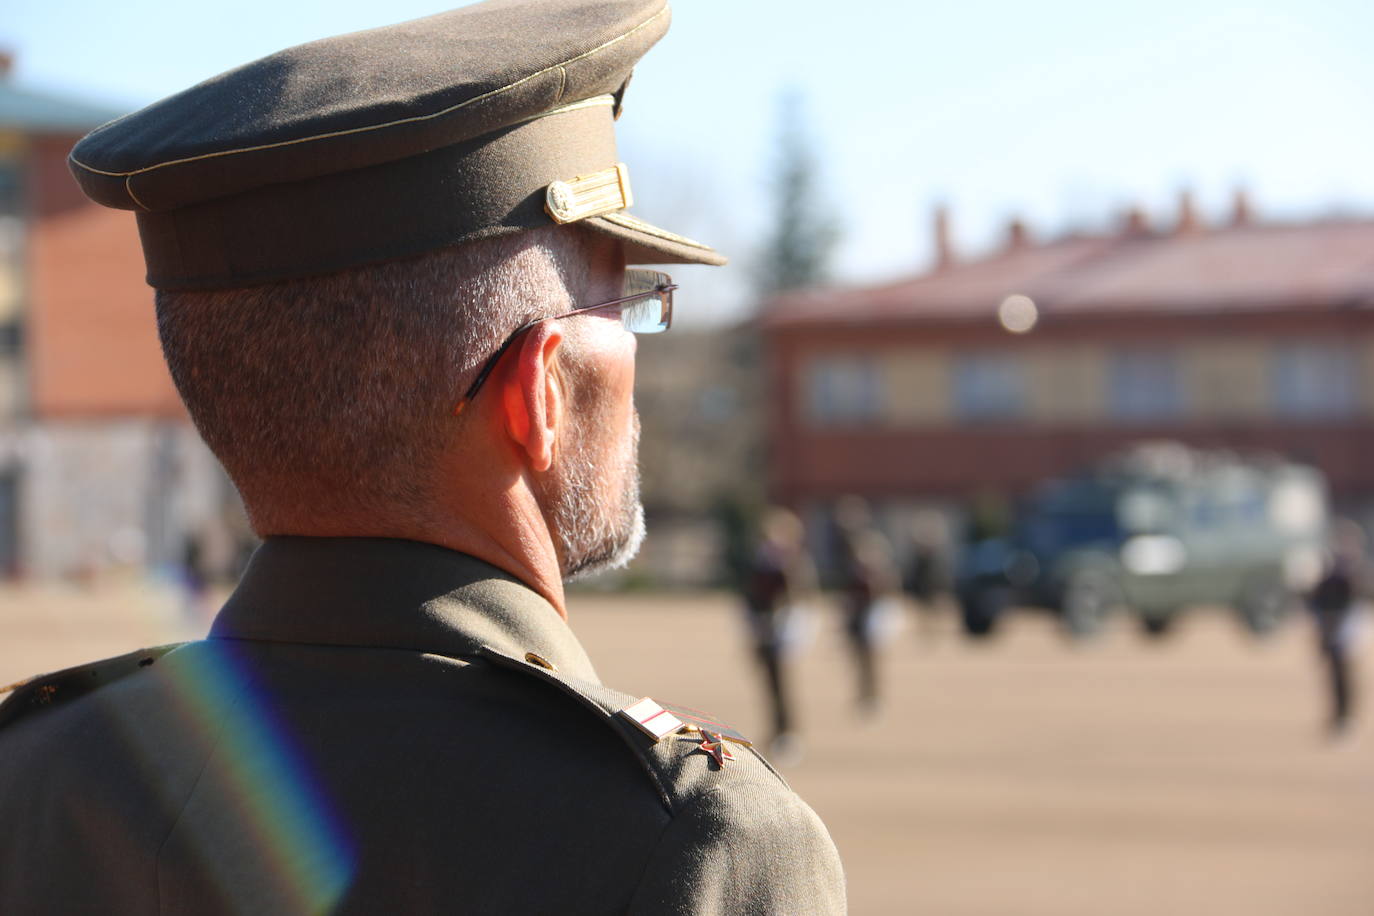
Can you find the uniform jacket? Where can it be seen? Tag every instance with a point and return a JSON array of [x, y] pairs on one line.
[[383, 726]]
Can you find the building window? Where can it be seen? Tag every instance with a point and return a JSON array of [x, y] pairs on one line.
[[11, 291], [1314, 379], [1144, 385], [988, 386], [11, 185], [11, 241], [842, 389]]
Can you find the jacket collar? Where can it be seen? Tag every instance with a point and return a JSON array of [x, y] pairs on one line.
[[386, 593]]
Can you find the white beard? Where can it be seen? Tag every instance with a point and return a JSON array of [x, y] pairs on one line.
[[592, 532]]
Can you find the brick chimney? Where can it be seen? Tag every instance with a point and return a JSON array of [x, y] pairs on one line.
[[1188, 221], [944, 246], [1242, 213], [1133, 222], [1018, 236]]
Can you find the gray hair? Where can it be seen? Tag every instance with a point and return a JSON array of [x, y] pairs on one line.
[[335, 393]]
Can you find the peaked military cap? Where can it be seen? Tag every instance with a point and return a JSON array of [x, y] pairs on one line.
[[487, 120]]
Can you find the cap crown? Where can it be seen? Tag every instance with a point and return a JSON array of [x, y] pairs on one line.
[[366, 98]]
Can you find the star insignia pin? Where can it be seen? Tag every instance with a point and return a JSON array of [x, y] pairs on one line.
[[714, 746]]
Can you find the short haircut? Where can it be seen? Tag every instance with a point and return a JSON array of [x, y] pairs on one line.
[[336, 393]]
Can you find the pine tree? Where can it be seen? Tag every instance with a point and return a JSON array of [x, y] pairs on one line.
[[797, 253]]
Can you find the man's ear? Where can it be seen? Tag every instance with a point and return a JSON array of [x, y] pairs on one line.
[[532, 394]]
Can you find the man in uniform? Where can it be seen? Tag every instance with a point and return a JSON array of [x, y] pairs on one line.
[[392, 290]]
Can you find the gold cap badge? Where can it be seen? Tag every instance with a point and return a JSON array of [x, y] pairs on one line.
[[591, 195]]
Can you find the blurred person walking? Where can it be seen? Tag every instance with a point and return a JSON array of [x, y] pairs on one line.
[[779, 578], [868, 576], [927, 576], [1334, 601], [195, 579]]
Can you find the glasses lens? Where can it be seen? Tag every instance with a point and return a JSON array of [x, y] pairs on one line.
[[652, 313], [638, 280], [644, 316]]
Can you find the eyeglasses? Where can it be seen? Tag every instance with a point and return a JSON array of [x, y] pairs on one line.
[[646, 308]]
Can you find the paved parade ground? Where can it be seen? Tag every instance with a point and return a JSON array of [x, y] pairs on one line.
[[1025, 776]]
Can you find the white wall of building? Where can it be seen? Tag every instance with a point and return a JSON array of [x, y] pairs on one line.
[[96, 495]]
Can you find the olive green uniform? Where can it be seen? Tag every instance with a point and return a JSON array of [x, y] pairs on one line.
[[363, 732], [383, 726]]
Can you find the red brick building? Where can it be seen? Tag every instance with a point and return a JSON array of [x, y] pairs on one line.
[[98, 463], [993, 374]]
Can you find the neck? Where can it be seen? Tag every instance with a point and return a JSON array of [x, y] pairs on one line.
[[496, 521], [521, 544]]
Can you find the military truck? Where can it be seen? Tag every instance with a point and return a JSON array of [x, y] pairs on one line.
[[1155, 531]]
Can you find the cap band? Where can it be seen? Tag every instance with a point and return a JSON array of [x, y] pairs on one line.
[[393, 210]]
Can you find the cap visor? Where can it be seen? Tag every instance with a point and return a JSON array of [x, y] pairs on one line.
[[645, 243]]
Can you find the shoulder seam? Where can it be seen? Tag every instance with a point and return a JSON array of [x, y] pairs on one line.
[[186, 803], [653, 850]]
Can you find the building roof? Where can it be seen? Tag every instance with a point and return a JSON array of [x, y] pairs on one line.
[[40, 112], [1321, 265]]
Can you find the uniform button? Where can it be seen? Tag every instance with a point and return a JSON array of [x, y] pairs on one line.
[[539, 660]]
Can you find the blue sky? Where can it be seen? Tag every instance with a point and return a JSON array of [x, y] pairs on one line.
[[1062, 112]]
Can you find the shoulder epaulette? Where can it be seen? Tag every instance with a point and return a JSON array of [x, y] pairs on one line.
[[46, 690], [650, 729]]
